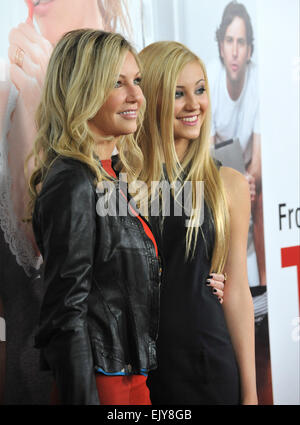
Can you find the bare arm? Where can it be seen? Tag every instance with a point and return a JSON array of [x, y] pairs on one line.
[[254, 168], [238, 306]]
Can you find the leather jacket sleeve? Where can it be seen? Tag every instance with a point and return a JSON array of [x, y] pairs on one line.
[[64, 224]]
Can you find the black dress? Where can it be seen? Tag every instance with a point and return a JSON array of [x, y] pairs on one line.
[[196, 361]]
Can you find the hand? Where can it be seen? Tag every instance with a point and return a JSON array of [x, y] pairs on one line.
[[29, 54], [216, 281], [252, 186]]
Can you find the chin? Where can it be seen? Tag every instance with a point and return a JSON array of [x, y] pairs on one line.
[[131, 130], [124, 132], [192, 135]]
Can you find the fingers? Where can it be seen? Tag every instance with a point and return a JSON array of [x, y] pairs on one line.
[[217, 276], [252, 186], [26, 33], [36, 48], [30, 68], [28, 87], [217, 286]]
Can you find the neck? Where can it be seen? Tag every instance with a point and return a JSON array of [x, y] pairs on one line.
[[105, 148], [181, 146], [235, 87]]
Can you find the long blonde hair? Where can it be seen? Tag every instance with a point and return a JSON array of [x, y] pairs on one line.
[[163, 62], [82, 71]]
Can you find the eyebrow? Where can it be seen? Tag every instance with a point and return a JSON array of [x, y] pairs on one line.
[[124, 76], [181, 87], [239, 38]]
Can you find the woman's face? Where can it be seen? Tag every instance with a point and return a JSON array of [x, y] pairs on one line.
[[191, 102], [118, 115], [56, 17]]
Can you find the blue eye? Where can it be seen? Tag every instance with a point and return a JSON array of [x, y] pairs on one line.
[[118, 84], [201, 90], [137, 81], [178, 94]]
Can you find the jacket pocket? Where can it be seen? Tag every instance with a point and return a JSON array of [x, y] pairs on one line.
[[106, 358]]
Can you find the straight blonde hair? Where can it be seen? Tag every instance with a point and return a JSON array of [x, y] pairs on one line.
[[82, 71], [163, 62]]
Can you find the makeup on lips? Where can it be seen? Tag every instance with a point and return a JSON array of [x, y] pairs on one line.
[[190, 120], [129, 114]]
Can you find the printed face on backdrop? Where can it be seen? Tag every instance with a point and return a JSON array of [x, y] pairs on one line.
[[235, 51], [118, 115], [56, 17], [191, 102]]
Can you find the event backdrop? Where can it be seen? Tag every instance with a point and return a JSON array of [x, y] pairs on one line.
[[263, 144]]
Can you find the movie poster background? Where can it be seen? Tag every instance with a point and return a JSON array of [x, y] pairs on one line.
[[194, 23]]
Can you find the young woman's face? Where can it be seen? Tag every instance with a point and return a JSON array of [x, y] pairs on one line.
[[118, 115], [191, 102]]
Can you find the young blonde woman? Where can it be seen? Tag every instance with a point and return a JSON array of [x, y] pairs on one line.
[[205, 349], [99, 315]]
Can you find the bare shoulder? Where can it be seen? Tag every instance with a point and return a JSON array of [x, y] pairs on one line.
[[236, 187]]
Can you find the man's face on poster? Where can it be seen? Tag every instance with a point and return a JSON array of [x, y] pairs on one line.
[[235, 50]]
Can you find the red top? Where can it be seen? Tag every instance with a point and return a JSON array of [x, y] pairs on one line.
[[106, 164]]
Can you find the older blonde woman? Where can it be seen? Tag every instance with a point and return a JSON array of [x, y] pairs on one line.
[[30, 47], [99, 315]]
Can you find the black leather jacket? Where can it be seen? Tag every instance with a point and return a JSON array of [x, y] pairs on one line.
[[102, 283]]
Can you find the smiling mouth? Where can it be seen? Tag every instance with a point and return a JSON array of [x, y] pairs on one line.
[[129, 114], [189, 120]]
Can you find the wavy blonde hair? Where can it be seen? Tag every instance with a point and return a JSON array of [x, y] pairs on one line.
[[82, 71], [163, 62]]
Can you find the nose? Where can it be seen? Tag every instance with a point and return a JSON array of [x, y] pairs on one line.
[[192, 103], [134, 94], [235, 49]]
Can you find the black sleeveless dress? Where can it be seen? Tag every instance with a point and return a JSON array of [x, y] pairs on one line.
[[196, 361]]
